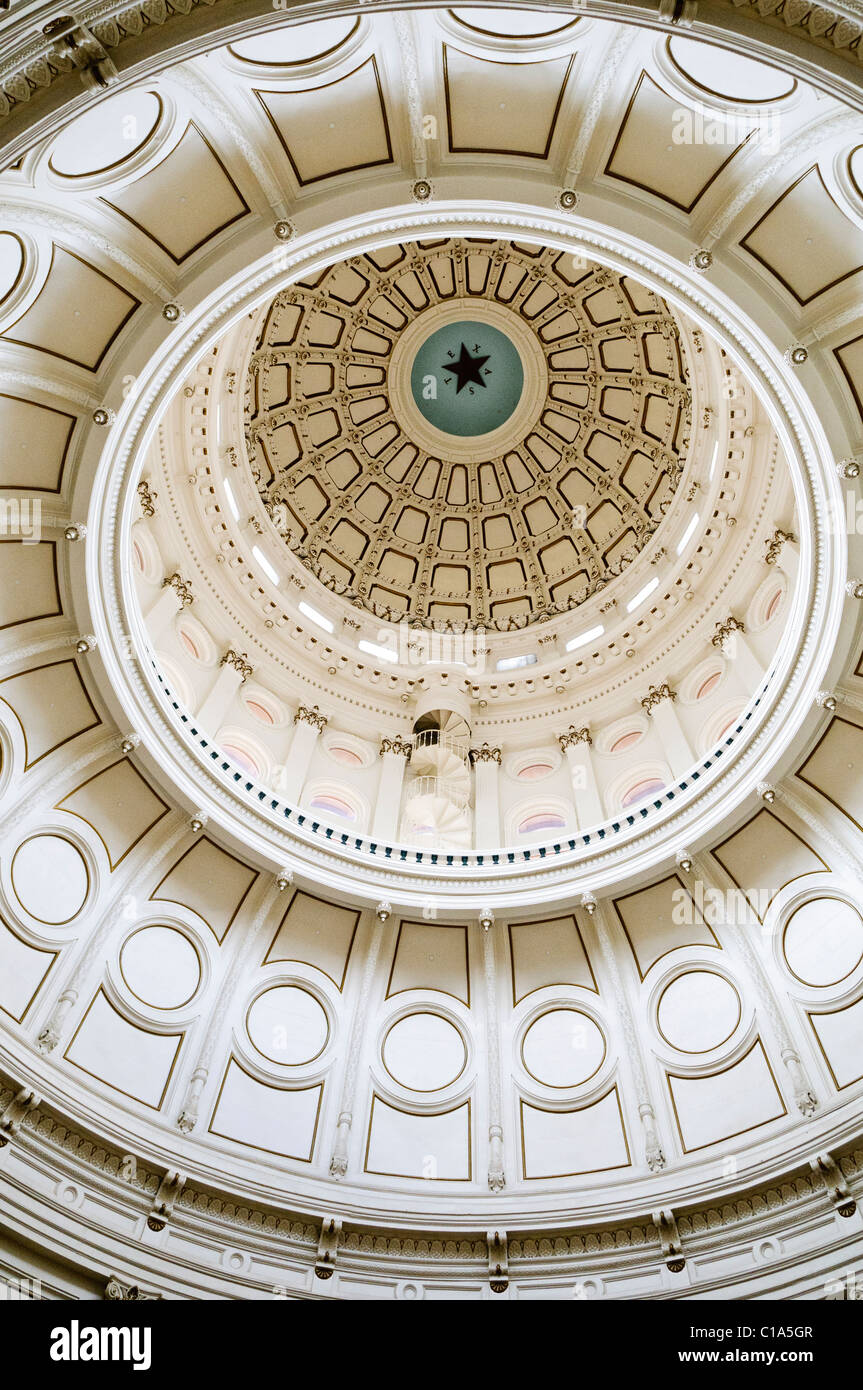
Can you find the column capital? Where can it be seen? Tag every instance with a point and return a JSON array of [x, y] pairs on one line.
[[312, 716], [402, 747], [573, 736], [655, 695], [182, 588], [239, 661], [485, 755], [775, 544], [724, 631]]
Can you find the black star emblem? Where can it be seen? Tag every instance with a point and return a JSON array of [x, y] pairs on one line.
[[467, 369]]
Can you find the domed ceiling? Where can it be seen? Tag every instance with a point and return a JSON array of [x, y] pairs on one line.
[[467, 431]]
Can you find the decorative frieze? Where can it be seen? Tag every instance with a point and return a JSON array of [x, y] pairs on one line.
[[182, 588], [239, 661], [574, 736], [312, 716], [655, 696]]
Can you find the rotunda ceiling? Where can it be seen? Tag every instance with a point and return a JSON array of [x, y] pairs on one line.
[[467, 432]]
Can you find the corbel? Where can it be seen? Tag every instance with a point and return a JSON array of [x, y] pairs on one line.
[[669, 1239], [170, 1188], [328, 1246], [13, 1116], [498, 1261], [826, 1167]]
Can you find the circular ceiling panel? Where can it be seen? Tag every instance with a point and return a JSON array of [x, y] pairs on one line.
[[698, 1011], [823, 941], [729, 75], [295, 44], [11, 263], [467, 433], [288, 1025], [563, 1048], [160, 967], [424, 1052], [50, 879], [106, 136]]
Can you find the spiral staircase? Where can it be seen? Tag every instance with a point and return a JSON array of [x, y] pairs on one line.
[[437, 799]]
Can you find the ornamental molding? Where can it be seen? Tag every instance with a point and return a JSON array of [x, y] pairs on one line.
[[775, 544], [402, 747], [725, 630], [312, 716], [655, 696], [240, 663], [182, 588], [147, 498], [574, 736], [485, 754]]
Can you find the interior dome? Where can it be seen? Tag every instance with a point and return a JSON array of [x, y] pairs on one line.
[[430, 822], [371, 456]]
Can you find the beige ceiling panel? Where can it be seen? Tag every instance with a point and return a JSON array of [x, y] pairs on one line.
[[765, 856], [23, 971], [405, 1145], [730, 1103], [29, 587], [660, 919], [646, 154], [78, 313], [564, 1143], [502, 108], [52, 705], [34, 442], [268, 1118], [430, 957], [805, 240], [317, 933], [548, 953], [183, 202], [835, 768], [850, 359], [333, 129], [119, 805], [840, 1037], [118, 1053], [209, 881]]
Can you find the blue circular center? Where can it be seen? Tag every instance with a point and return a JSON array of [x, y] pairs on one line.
[[467, 378]]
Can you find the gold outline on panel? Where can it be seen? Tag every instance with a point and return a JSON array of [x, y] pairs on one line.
[[514, 38], [302, 62], [837, 719], [421, 1115], [22, 267], [425, 1091], [259, 1148], [205, 839], [42, 951], [707, 1076], [504, 63], [552, 984], [828, 984], [73, 420], [571, 1085], [853, 389], [698, 1052], [675, 878], [37, 617], [150, 1032], [544, 1110], [178, 260], [763, 811], [410, 922], [55, 835], [722, 96], [304, 989], [649, 188], [349, 168], [30, 671], [163, 926], [109, 168], [814, 168], [812, 1014], [87, 780], [62, 356], [295, 960]]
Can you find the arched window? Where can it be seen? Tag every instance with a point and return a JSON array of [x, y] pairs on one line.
[[649, 786], [333, 806], [541, 820]]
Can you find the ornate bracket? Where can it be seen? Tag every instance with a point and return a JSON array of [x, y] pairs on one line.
[[89, 56], [775, 544], [825, 1166], [312, 716], [485, 755], [669, 1239], [239, 661], [401, 746], [182, 588], [328, 1246], [498, 1261], [655, 695], [170, 1188], [574, 736], [724, 631], [16, 1111]]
